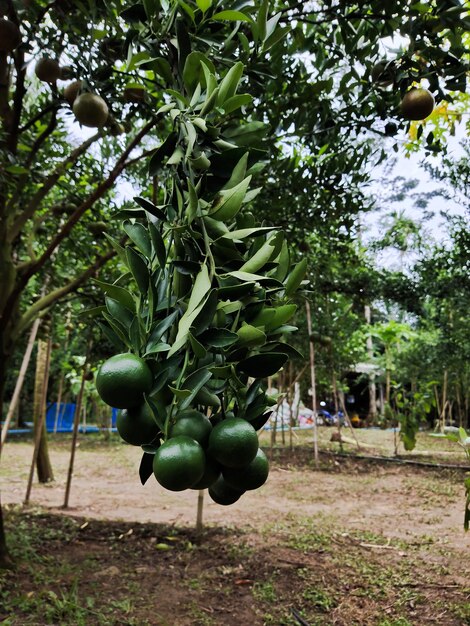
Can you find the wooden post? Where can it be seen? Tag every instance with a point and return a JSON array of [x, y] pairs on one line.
[[200, 508], [76, 424], [312, 382], [20, 381], [40, 425], [372, 387], [290, 401]]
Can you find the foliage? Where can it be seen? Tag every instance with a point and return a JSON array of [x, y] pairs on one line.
[[206, 294]]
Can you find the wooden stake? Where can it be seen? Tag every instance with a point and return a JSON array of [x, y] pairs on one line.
[[200, 508], [40, 425], [312, 382], [20, 381], [76, 424]]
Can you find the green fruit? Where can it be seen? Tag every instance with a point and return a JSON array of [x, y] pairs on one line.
[[47, 70], [72, 90], [179, 463], [123, 379], [223, 494], [90, 110], [192, 424], [417, 104], [233, 442], [137, 425], [211, 474], [252, 476]]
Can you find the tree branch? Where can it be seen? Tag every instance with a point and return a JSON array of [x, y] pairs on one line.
[[38, 116], [140, 157], [42, 137], [120, 165], [42, 192], [46, 301], [33, 268]]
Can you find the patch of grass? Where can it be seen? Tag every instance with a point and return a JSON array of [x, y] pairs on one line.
[[400, 621], [264, 591], [200, 618], [461, 610], [319, 599]]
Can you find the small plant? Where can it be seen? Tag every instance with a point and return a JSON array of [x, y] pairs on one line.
[[462, 438]]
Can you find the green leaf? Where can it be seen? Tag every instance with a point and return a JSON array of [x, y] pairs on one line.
[[112, 337], [249, 336], [199, 292], [248, 277], [235, 102], [242, 233], [268, 252], [198, 349], [239, 172], [155, 348], [118, 248], [229, 85], [165, 150], [206, 398], [206, 314], [184, 42], [232, 16], [204, 4], [194, 383], [161, 328], [138, 269], [139, 235], [118, 329], [17, 170], [282, 314], [218, 337], [151, 208], [262, 365], [193, 72], [135, 335], [283, 262], [296, 277], [192, 202], [117, 293], [158, 245], [230, 201], [119, 312]]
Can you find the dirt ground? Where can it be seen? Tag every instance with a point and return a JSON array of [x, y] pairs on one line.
[[355, 543]]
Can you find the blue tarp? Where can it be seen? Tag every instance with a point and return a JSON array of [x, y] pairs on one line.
[[65, 418]]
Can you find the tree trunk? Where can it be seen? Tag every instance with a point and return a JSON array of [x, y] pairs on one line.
[[5, 558], [43, 463]]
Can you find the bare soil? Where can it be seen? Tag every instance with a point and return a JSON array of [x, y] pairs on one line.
[[354, 543]]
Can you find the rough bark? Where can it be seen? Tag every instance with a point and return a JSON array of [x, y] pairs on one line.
[[43, 463], [5, 559]]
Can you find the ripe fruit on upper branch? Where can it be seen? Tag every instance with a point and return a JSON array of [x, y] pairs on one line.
[[417, 104], [90, 110]]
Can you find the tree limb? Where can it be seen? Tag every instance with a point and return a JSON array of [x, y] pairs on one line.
[[38, 116], [42, 137], [35, 267], [42, 192], [46, 301]]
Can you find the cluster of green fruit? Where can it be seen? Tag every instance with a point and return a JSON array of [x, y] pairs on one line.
[[220, 453]]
